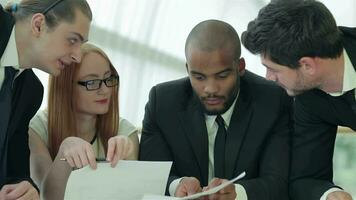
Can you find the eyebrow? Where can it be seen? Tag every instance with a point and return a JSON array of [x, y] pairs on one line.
[[223, 71], [95, 75], [80, 37], [217, 73]]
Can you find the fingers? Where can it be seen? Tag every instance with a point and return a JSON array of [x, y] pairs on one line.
[[228, 189], [227, 192], [188, 186], [31, 194], [214, 182], [78, 153], [17, 190], [111, 150], [91, 157], [77, 161], [21, 191], [119, 148], [70, 161], [8, 188]]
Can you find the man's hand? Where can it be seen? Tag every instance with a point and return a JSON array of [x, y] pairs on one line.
[[339, 195], [23, 190], [188, 186], [227, 193]]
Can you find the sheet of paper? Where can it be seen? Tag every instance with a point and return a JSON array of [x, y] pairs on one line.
[[129, 180], [197, 195], [158, 197]]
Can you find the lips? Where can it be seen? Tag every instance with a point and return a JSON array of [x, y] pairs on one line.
[[102, 101], [213, 101]]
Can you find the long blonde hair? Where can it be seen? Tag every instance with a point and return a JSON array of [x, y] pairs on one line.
[[61, 106]]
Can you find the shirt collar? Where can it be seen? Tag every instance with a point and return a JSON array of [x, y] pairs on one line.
[[10, 56], [349, 80], [210, 119]]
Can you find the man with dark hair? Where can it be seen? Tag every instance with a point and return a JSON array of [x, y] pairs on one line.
[[218, 122], [34, 33], [313, 59]]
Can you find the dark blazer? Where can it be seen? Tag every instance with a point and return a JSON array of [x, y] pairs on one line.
[[26, 99], [317, 116], [258, 136]]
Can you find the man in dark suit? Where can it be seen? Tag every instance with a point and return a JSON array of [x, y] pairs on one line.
[[34, 39], [219, 122], [307, 54]]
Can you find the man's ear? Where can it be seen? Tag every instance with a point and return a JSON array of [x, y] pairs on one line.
[[241, 66], [308, 65], [186, 67], [37, 24]]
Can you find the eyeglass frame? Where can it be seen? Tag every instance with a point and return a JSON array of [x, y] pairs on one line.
[[51, 6], [85, 83]]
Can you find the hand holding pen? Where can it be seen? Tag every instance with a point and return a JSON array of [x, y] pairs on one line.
[[79, 153]]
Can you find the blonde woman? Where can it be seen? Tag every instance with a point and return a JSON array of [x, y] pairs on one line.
[[81, 124]]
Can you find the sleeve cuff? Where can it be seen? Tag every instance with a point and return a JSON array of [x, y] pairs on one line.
[[240, 192], [173, 186], [325, 195]]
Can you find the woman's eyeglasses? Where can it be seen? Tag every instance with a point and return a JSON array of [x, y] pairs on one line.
[[96, 83]]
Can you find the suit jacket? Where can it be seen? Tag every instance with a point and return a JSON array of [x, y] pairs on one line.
[[317, 116], [258, 136], [26, 99]]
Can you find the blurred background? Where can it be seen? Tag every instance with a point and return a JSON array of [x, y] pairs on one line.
[[145, 41]]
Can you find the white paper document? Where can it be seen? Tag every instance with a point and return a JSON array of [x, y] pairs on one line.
[[197, 195], [129, 180]]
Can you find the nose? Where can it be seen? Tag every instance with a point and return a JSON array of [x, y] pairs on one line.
[[270, 75], [211, 87], [76, 54]]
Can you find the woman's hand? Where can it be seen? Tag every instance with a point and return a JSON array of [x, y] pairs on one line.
[[119, 148], [77, 152]]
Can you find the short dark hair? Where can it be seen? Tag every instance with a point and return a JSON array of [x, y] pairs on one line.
[[54, 10], [285, 31], [211, 35]]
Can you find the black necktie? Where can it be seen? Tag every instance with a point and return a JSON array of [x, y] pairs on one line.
[[219, 149], [5, 108]]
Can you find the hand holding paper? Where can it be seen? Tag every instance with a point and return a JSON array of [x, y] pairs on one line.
[[197, 195], [188, 186]]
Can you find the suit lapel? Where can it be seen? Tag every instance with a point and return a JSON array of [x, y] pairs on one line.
[[237, 130], [6, 23], [193, 123], [345, 104]]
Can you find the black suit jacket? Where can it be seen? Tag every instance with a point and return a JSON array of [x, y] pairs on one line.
[[26, 99], [258, 136], [317, 116]]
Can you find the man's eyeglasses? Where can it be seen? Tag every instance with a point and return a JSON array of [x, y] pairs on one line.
[[51, 6], [96, 83]]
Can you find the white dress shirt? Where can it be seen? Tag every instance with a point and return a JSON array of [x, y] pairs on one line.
[[349, 83], [349, 78], [212, 128]]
